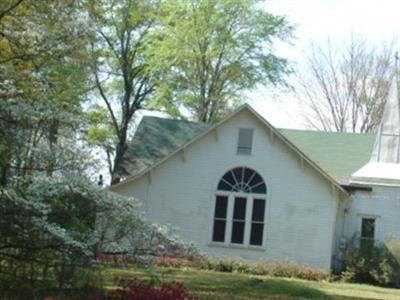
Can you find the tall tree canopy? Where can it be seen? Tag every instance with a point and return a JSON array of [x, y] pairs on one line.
[[42, 85], [177, 56], [344, 88], [120, 66], [211, 51]]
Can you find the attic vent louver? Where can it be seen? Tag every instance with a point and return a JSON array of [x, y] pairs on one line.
[[245, 141]]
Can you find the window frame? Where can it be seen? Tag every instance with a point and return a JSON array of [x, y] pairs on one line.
[[250, 197], [365, 239], [245, 184], [252, 222], [220, 218], [239, 221]]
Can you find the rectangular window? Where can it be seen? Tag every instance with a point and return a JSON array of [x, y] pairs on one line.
[[367, 234], [257, 222], [245, 141], [239, 220], [221, 206]]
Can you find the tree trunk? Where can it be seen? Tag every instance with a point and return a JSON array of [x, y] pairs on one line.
[[119, 153], [5, 167], [53, 138]]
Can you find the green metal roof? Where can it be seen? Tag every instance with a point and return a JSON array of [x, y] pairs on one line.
[[339, 154], [154, 139]]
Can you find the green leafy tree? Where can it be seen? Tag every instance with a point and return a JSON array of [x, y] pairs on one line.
[[120, 65], [101, 132], [211, 51], [42, 85]]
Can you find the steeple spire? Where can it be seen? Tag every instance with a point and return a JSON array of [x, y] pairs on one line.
[[387, 143], [384, 165]]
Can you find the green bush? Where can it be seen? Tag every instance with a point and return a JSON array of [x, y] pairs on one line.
[[277, 269], [229, 265], [296, 270], [53, 231], [378, 264]]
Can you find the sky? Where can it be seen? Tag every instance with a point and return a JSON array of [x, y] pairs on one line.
[[315, 21]]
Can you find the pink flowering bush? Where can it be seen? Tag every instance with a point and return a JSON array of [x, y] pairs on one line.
[[132, 289], [135, 290], [170, 261]]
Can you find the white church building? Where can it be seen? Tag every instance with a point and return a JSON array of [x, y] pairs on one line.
[[243, 188]]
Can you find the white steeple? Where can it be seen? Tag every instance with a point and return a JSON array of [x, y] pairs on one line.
[[386, 147], [384, 165]]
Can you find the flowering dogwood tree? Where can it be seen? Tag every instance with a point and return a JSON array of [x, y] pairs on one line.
[[57, 227]]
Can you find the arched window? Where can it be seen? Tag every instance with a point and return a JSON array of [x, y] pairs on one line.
[[240, 203], [243, 180]]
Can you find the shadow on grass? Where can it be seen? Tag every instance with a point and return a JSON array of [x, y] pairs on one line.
[[217, 285], [258, 288], [84, 293], [255, 288]]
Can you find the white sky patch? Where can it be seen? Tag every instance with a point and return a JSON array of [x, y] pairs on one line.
[[316, 21]]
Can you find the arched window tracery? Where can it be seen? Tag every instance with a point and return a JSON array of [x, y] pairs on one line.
[[243, 180], [240, 203]]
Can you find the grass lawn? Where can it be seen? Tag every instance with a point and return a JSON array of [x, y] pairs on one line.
[[216, 285]]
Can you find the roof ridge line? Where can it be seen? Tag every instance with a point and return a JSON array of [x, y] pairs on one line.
[[175, 120], [279, 128], [327, 132]]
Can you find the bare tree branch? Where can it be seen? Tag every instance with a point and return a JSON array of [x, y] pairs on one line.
[[9, 9], [344, 89]]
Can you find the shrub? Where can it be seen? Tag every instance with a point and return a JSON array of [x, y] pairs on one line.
[[132, 289], [135, 290], [170, 261], [154, 245], [284, 268], [228, 265], [277, 269], [54, 230], [377, 265], [289, 269], [49, 233]]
